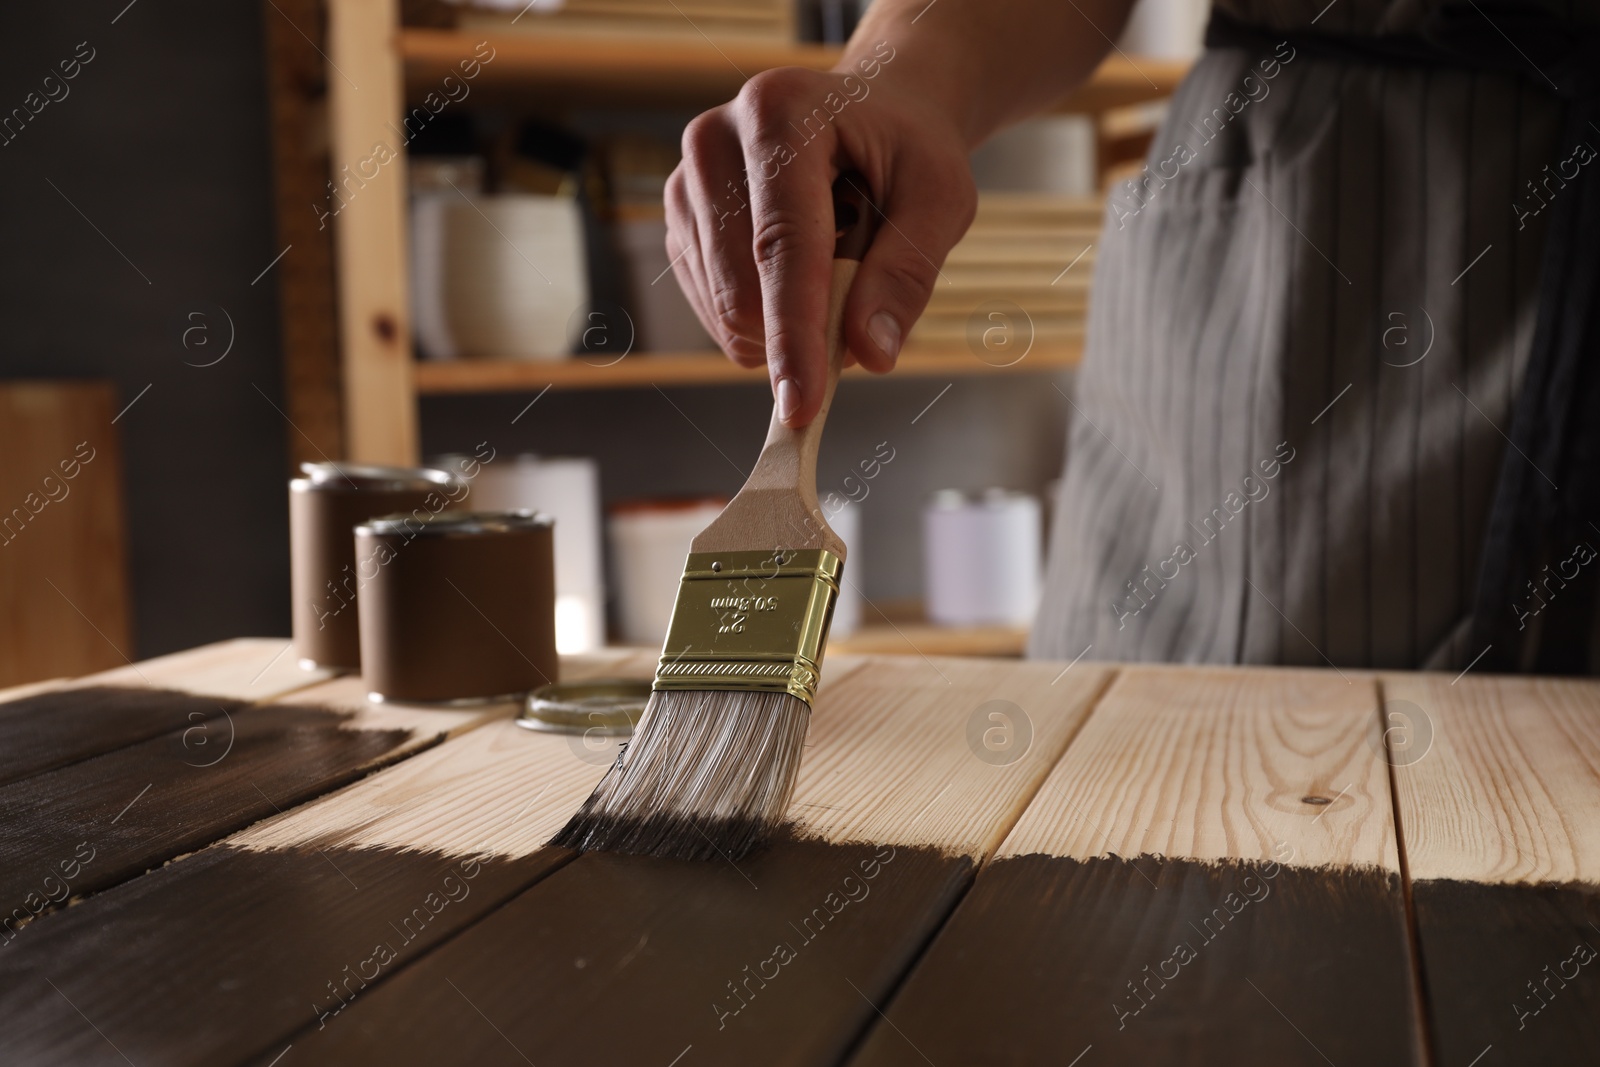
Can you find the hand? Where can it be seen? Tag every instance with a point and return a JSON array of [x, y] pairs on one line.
[[750, 218]]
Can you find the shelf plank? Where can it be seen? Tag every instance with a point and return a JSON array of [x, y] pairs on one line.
[[642, 370], [662, 72]]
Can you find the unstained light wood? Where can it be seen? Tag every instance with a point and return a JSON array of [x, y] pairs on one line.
[[1507, 788], [1212, 764], [641, 370], [686, 72], [365, 103]]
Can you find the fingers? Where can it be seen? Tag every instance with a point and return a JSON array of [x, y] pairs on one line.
[[927, 205], [791, 232], [720, 199], [706, 251]]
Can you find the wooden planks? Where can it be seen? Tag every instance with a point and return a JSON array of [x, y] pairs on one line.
[[1179, 892], [272, 930], [779, 959], [99, 821], [64, 602], [54, 724], [1498, 796]]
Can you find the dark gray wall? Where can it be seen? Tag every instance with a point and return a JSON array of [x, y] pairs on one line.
[[161, 144]]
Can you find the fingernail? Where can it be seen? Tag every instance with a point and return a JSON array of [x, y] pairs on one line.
[[885, 333], [788, 398]]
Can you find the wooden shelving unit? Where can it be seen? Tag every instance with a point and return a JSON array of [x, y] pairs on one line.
[[375, 64], [377, 69], [644, 369], [645, 73]]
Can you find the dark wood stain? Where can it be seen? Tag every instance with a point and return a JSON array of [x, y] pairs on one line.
[[1515, 967], [95, 823], [228, 952], [1160, 961], [48, 730], [629, 959]]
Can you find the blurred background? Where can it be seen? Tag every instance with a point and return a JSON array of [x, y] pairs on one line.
[[244, 237]]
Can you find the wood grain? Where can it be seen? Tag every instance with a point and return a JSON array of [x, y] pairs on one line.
[[364, 102], [64, 602], [1209, 875], [1212, 764], [297, 89], [893, 810], [249, 933], [1509, 788], [1498, 793], [59, 723], [134, 808]]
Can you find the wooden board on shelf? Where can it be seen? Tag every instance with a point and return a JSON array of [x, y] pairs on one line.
[[641, 370], [654, 72]]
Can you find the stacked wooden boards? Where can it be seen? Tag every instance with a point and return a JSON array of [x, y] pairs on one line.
[[1020, 277], [991, 863], [759, 21]]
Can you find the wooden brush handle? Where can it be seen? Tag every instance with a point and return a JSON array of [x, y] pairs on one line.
[[778, 507]]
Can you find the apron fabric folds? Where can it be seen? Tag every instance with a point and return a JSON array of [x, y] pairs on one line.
[[1312, 317]]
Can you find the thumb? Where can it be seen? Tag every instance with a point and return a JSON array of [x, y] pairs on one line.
[[923, 219]]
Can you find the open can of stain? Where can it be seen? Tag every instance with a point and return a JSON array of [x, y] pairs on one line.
[[324, 507], [460, 607]]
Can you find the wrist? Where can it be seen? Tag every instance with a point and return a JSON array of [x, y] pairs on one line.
[[879, 57]]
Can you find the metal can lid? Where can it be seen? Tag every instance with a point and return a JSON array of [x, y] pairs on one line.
[[608, 707], [456, 523], [358, 477]]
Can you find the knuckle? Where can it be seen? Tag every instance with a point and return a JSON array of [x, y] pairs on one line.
[[703, 136], [732, 313], [767, 98], [908, 278], [776, 238]]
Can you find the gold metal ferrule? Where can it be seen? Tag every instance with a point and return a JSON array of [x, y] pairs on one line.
[[754, 621]]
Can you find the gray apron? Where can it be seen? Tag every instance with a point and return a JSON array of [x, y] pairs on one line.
[[1311, 320]]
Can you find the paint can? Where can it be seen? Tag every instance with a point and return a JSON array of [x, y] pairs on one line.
[[981, 557], [458, 607], [324, 507]]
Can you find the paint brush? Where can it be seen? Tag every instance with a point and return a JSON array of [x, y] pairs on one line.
[[712, 766]]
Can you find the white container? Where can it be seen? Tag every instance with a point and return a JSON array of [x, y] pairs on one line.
[[567, 489], [981, 558], [436, 183], [514, 275], [846, 522], [663, 319], [649, 544]]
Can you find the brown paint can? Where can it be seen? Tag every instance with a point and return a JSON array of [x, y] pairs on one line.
[[324, 508], [458, 607]]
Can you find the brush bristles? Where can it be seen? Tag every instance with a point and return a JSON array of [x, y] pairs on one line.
[[708, 774]]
